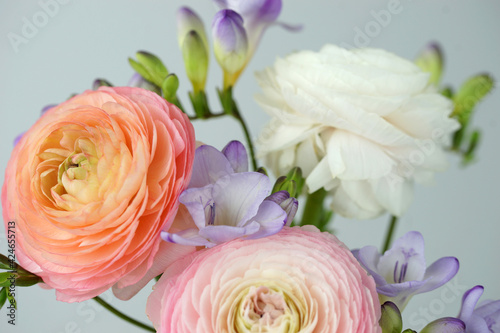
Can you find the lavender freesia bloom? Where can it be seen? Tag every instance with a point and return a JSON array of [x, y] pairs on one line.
[[481, 319], [401, 271], [257, 15], [230, 41], [227, 202]]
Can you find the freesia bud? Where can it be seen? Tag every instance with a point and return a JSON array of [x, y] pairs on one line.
[[296, 175], [100, 83], [195, 55], [469, 94], [138, 81], [230, 44], [150, 67], [431, 60], [390, 319], [445, 325], [169, 87], [188, 20], [257, 15]]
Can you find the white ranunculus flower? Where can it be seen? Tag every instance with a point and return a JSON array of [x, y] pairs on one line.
[[364, 124]]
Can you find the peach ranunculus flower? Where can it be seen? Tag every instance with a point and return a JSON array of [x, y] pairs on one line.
[[91, 185], [298, 280]]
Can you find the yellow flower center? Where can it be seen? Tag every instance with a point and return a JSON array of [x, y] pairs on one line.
[[264, 309], [70, 167]]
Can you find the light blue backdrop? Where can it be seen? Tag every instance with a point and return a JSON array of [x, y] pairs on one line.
[[80, 41]]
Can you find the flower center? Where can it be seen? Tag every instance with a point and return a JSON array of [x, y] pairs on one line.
[[401, 267], [266, 310], [67, 170]]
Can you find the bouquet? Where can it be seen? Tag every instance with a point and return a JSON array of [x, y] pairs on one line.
[[130, 193]]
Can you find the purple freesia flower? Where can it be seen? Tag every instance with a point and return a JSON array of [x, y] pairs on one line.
[[257, 16], [401, 271], [483, 318], [227, 202]]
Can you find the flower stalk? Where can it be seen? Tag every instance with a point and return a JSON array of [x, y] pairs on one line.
[[390, 233], [123, 316], [314, 210]]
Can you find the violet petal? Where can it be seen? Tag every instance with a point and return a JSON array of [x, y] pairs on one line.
[[238, 197], [237, 156], [440, 272], [369, 257], [197, 201], [208, 166], [469, 302], [186, 237], [271, 218], [223, 233]]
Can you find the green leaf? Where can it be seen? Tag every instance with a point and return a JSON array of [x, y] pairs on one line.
[[4, 262], [11, 299], [3, 297], [408, 330], [4, 276]]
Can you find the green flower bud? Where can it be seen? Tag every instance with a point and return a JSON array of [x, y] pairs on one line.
[[431, 60], [195, 55], [390, 320]]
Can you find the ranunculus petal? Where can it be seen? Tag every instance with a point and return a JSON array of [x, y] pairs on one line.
[[313, 286], [374, 113], [166, 255], [92, 184]]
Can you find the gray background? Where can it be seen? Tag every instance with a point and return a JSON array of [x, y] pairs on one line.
[[458, 215]]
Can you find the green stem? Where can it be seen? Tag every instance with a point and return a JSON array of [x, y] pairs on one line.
[[237, 115], [314, 212], [389, 234], [123, 316], [209, 116]]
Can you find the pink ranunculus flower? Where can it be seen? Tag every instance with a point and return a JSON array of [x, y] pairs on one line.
[[91, 185], [298, 280]]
